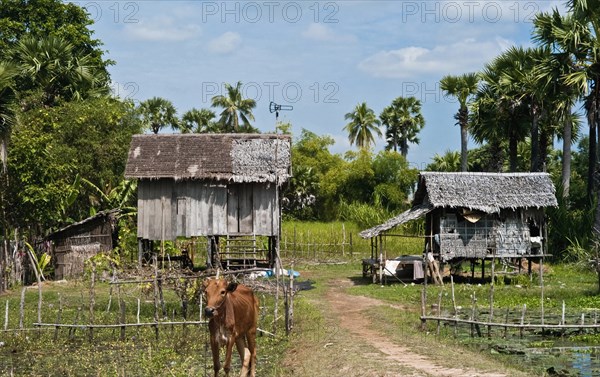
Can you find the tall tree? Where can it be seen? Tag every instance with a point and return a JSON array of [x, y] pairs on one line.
[[499, 114], [157, 113], [403, 121], [43, 18], [235, 107], [8, 71], [547, 32], [198, 121], [362, 124], [462, 87], [52, 65]]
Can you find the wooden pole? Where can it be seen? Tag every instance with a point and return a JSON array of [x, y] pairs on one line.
[[58, 317], [522, 320], [22, 308], [92, 298], [6, 316]]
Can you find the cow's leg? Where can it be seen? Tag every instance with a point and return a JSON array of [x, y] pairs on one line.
[[244, 353], [251, 340], [229, 349], [214, 347]]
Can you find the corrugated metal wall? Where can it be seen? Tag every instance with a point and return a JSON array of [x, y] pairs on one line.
[[168, 209]]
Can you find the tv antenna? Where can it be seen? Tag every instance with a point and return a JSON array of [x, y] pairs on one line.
[[276, 108]]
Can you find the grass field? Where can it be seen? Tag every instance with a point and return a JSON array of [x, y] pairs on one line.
[[183, 351]]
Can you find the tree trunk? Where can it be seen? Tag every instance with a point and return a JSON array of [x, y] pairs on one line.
[[543, 154], [566, 160], [463, 120], [535, 141], [592, 156], [513, 152]]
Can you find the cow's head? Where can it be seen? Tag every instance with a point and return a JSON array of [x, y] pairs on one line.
[[216, 291]]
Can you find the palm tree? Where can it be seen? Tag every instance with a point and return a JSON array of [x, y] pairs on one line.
[[198, 121], [235, 107], [403, 121], [462, 87], [156, 113], [451, 161], [52, 65], [554, 70], [363, 123], [8, 71]]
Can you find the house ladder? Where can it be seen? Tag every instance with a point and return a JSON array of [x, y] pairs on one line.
[[240, 252]]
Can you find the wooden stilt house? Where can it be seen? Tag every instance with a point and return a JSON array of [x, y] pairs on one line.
[[224, 187], [470, 216]]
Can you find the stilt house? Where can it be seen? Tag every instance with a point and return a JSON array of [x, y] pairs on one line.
[[477, 215], [224, 187]]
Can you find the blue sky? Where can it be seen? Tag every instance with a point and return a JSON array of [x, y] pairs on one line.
[[321, 57]]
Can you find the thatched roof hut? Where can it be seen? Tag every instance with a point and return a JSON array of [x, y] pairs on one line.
[[210, 185], [485, 192], [239, 158], [478, 215], [77, 242]]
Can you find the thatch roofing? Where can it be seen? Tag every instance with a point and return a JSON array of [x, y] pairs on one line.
[[485, 192], [230, 157], [84, 225]]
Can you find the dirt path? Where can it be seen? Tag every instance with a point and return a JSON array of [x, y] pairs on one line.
[[354, 348]]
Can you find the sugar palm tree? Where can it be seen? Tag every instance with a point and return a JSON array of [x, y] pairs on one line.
[[403, 121], [235, 107], [157, 113], [52, 65], [498, 116], [8, 71], [198, 121], [554, 70], [363, 123], [462, 87]]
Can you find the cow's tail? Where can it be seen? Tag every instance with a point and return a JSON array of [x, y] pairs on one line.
[[246, 363]]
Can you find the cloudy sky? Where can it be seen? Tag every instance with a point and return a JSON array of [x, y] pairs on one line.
[[321, 57]]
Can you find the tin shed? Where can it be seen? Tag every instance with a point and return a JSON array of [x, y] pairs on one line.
[[212, 185]]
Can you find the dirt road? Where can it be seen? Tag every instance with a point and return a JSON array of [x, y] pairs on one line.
[[349, 345]]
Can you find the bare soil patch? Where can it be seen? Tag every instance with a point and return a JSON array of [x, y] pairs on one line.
[[352, 346]]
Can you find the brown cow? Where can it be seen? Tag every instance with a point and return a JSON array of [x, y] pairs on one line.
[[233, 312]]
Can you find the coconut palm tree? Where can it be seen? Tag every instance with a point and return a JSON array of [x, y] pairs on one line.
[[235, 107], [462, 87], [157, 113], [403, 121], [198, 121], [363, 123]]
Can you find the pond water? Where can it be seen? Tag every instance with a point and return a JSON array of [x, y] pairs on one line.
[[581, 361]]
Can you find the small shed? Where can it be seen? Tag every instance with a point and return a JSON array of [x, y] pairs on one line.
[[478, 215], [224, 187], [72, 245]]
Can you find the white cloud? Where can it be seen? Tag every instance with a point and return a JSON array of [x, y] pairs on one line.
[[162, 29], [323, 33], [409, 62], [225, 43]]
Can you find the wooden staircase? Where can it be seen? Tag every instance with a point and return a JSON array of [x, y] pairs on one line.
[[240, 252]]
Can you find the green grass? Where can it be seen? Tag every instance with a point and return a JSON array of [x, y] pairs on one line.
[[314, 241]]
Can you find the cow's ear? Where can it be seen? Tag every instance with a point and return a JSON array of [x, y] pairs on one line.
[[232, 286]]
